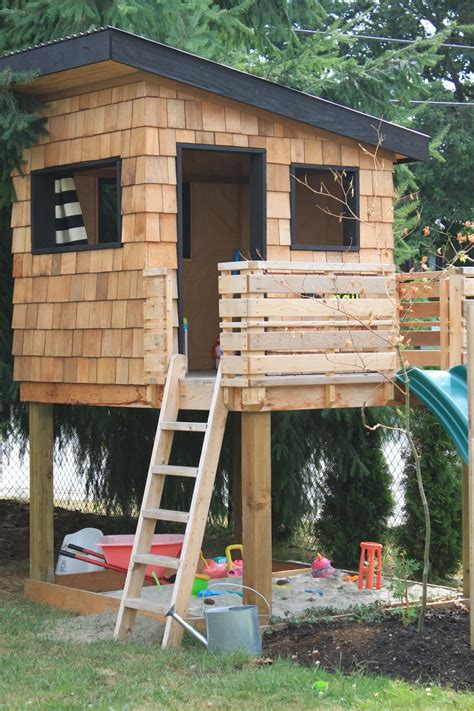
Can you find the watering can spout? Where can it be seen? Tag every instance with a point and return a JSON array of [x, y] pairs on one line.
[[200, 637]]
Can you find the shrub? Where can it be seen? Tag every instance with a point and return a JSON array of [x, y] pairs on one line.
[[358, 499], [441, 471]]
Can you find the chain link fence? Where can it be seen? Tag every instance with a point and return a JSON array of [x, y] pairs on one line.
[[71, 490]]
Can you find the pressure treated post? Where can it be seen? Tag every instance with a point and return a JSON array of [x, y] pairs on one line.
[[41, 492], [256, 508], [465, 530], [237, 475], [470, 396]]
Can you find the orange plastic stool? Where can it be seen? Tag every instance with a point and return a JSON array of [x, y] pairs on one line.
[[368, 566]]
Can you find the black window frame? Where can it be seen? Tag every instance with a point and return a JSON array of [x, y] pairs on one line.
[[351, 227], [43, 222]]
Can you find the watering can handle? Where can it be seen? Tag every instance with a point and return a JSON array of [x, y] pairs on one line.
[[239, 585]]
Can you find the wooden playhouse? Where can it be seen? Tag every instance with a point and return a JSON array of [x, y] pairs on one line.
[[177, 206]]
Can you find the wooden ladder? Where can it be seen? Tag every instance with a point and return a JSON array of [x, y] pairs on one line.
[[151, 512]]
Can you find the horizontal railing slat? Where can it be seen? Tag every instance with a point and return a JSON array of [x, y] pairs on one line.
[[313, 308], [299, 340], [313, 363], [306, 284]]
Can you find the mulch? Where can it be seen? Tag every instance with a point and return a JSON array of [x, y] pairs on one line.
[[441, 655]]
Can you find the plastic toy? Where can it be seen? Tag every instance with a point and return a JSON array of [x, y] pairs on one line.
[[321, 567], [234, 567], [321, 686], [370, 563], [215, 570], [200, 584], [216, 352]]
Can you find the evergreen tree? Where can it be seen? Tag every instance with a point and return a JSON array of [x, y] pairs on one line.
[[441, 471], [357, 499], [443, 195], [258, 37]]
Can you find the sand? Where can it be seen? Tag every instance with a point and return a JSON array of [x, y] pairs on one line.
[[302, 595]]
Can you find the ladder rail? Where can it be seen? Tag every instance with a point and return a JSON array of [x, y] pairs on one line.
[[153, 489], [150, 510], [198, 513]]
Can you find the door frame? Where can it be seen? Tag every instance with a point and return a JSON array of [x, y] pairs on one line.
[[257, 209]]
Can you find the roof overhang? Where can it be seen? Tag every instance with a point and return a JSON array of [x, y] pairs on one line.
[[120, 52]]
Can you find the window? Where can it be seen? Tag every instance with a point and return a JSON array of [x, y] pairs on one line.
[[324, 208], [76, 206]]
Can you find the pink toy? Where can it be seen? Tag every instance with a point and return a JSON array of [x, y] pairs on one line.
[[321, 567], [215, 570], [237, 568]]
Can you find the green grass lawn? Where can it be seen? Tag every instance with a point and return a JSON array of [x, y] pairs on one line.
[[39, 673]]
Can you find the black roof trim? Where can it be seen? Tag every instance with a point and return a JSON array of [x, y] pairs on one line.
[[124, 47]]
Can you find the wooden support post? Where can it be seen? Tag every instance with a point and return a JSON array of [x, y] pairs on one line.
[[41, 492], [456, 296], [256, 508], [470, 396], [465, 530], [237, 475]]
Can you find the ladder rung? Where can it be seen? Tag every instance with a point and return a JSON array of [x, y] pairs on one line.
[[174, 471], [184, 426], [166, 515], [139, 603], [160, 560]]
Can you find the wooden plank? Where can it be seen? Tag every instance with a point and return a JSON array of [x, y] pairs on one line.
[[423, 358], [444, 323], [317, 363], [313, 397], [465, 530], [85, 394], [470, 512], [84, 602], [309, 267], [296, 381], [256, 509], [456, 284], [195, 393], [300, 340], [41, 439], [236, 476], [366, 309], [100, 581], [468, 287], [419, 309], [306, 284], [306, 323], [421, 338]]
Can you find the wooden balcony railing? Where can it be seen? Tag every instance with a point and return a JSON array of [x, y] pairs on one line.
[[432, 316], [292, 319]]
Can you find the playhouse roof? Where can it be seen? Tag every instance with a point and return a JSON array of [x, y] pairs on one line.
[[110, 52]]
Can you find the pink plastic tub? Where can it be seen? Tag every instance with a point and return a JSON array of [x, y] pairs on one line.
[[118, 549]]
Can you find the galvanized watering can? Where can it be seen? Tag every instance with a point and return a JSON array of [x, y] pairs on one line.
[[229, 629]]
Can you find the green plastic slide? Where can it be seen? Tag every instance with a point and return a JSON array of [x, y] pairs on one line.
[[444, 392]]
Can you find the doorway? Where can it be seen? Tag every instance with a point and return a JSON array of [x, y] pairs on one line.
[[222, 218]]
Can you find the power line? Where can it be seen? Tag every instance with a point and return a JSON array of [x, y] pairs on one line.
[[435, 103], [383, 39]]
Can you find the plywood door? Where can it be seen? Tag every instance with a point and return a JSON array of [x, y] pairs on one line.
[[219, 225]]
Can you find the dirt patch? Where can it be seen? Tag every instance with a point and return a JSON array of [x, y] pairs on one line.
[[15, 527], [386, 647]]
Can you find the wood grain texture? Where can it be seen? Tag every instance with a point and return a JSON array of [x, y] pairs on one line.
[[256, 509], [41, 440], [70, 308]]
